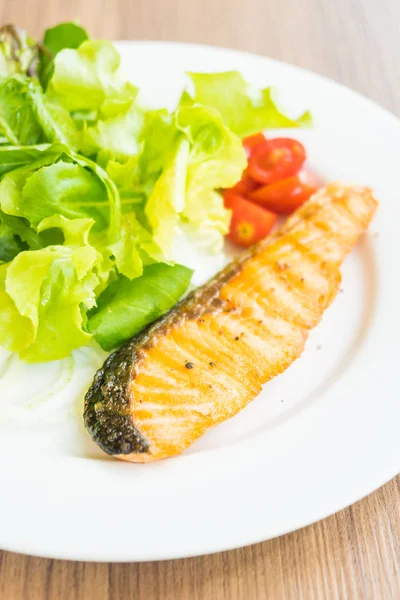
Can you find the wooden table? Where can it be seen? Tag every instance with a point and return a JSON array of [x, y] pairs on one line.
[[356, 553]]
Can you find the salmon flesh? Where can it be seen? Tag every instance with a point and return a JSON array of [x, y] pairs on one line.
[[207, 358]]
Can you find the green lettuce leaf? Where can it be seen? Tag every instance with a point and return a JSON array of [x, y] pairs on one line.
[[206, 157], [12, 157], [126, 307], [127, 253], [65, 189], [159, 137], [76, 236], [125, 177], [167, 199], [10, 246], [66, 184], [27, 118], [114, 200], [217, 160], [56, 122], [89, 90], [44, 295], [12, 184], [244, 109], [16, 330], [116, 137], [132, 197], [88, 79], [16, 235], [135, 247], [64, 35], [18, 118], [73, 186]]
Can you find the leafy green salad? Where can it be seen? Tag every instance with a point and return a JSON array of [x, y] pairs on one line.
[[94, 188]]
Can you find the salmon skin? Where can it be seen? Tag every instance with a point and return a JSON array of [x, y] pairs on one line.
[[208, 357]]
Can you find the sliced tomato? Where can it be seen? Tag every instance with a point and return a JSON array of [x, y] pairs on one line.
[[285, 196], [276, 159], [244, 187], [250, 223], [251, 142]]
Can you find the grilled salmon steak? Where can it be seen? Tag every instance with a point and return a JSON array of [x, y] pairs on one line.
[[209, 356]]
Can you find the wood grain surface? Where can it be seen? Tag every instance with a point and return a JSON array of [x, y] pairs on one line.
[[356, 553]]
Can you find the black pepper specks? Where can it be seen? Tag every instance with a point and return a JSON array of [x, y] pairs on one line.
[[212, 364], [189, 365], [236, 337]]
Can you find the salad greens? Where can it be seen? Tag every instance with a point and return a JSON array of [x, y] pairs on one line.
[[18, 119], [127, 306], [19, 53], [65, 35], [42, 292], [245, 110], [95, 188]]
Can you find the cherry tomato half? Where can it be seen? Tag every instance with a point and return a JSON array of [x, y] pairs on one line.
[[276, 159], [251, 142], [244, 187], [250, 223], [285, 196]]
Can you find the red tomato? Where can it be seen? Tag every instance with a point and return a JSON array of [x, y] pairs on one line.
[[250, 223], [243, 187], [285, 196], [251, 142], [276, 159]]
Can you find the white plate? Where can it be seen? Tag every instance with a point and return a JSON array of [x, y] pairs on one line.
[[321, 436]]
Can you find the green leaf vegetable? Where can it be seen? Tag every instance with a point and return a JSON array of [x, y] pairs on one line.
[[126, 307], [65, 35], [74, 187], [43, 292], [89, 79], [244, 109], [95, 188], [18, 52], [16, 235], [10, 244], [18, 118], [12, 157], [27, 118], [216, 161]]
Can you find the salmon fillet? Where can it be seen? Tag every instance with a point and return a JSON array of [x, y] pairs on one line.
[[208, 358]]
